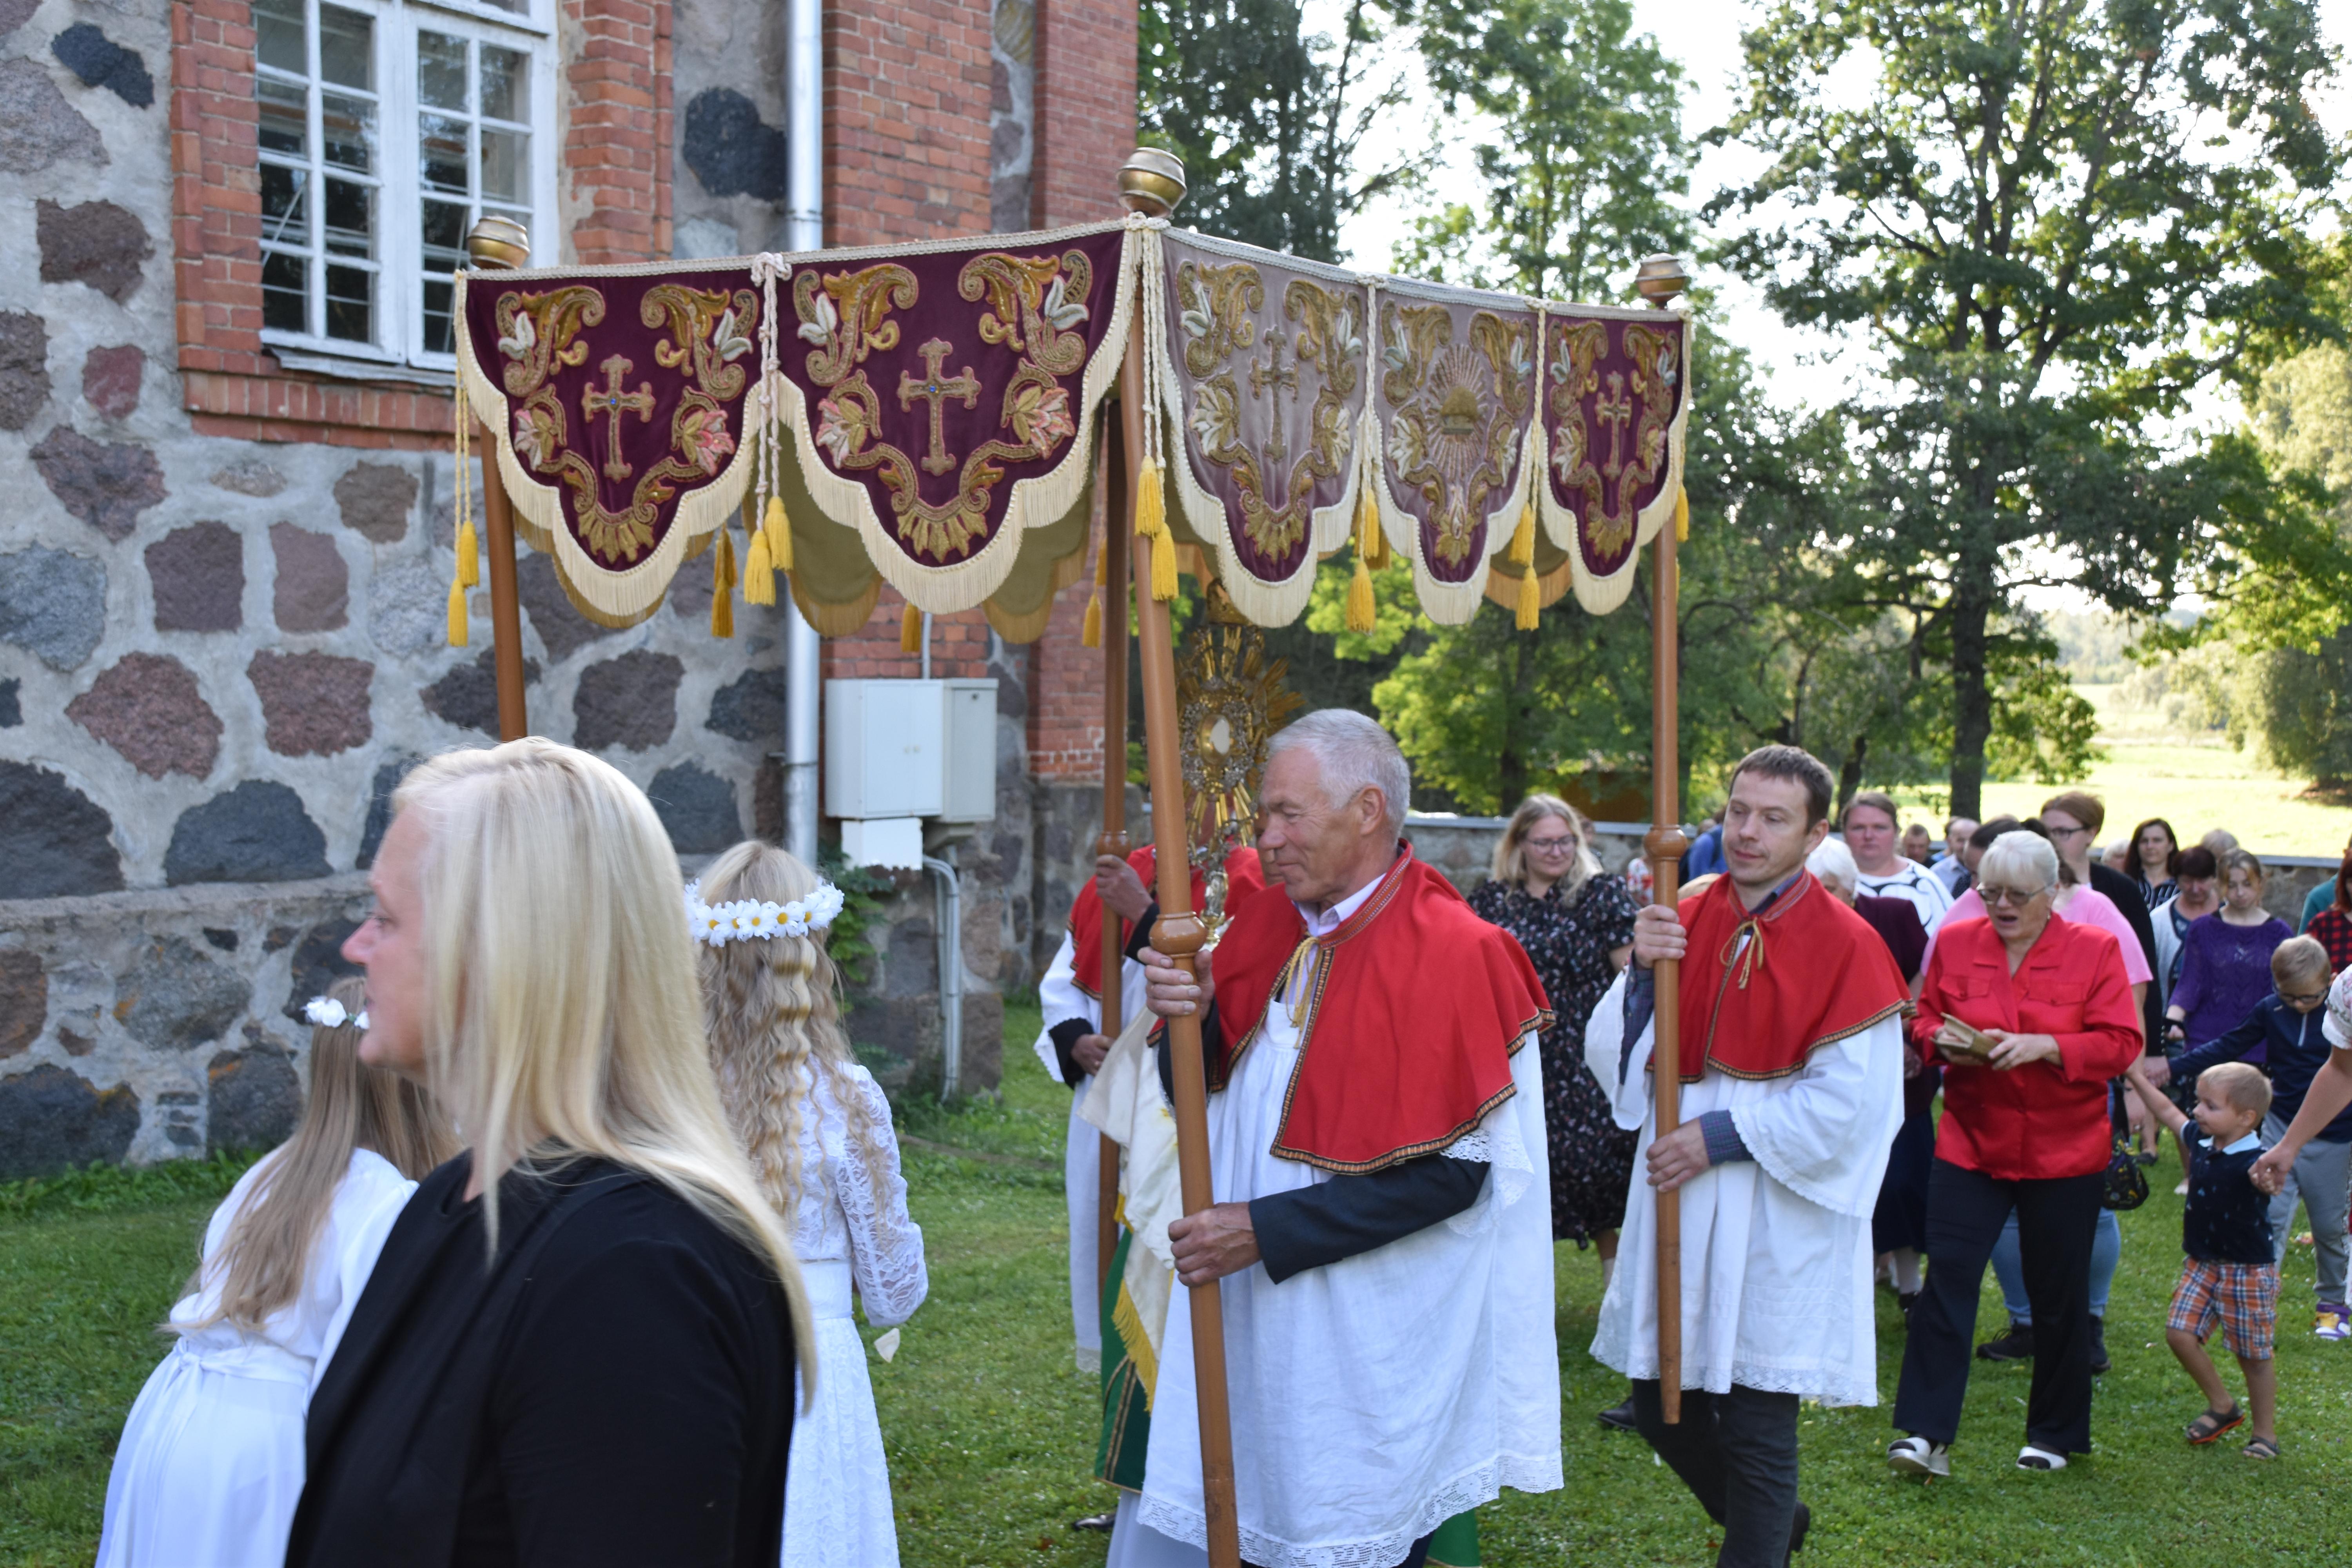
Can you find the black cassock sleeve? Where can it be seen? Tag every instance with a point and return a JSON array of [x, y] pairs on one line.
[[1350, 1215], [1066, 1037]]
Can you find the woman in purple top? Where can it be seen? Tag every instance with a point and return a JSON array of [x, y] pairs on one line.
[[2225, 966]]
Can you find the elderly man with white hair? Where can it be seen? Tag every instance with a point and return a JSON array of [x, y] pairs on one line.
[[1375, 1128]]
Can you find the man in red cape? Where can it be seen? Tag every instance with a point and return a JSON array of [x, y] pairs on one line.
[[1792, 1064], [1072, 1043], [1375, 1120]]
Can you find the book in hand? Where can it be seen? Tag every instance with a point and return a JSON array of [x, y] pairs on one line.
[[1958, 1041]]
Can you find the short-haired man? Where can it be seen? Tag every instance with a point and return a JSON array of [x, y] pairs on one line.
[[1792, 1062], [1375, 1119], [1951, 868], [1871, 832]]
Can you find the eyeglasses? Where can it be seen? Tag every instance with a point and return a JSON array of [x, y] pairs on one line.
[[2303, 997], [2067, 832], [1551, 846], [2019, 896]]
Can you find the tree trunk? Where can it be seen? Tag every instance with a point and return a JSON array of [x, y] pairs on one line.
[[1972, 596], [1511, 766], [1849, 774]]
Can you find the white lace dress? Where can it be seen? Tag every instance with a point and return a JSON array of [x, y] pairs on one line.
[[848, 1231]]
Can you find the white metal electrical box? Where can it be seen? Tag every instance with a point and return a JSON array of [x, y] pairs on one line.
[[970, 722], [909, 749]]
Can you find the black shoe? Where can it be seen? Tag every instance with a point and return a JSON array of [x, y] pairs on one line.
[[1798, 1530], [1619, 1417], [2099, 1361], [1095, 1522], [2145, 1157], [2015, 1345]]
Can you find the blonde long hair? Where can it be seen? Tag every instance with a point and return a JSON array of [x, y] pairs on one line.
[[772, 1009], [263, 1258], [562, 1015], [1510, 864]]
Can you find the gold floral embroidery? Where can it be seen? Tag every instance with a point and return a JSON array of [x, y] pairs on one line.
[[1031, 303], [1459, 408], [708, 332], [1216, 306], [1625, 469]]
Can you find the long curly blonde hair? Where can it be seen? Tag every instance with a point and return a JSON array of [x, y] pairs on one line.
[[772, 1009]]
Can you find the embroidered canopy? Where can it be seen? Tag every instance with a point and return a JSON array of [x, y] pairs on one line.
[[928, 414]]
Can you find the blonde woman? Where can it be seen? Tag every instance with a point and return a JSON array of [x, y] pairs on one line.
[[579, 1346], [817, 1131], [211, 1458]]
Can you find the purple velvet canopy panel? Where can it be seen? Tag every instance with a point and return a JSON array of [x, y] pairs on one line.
[[1616, 410]]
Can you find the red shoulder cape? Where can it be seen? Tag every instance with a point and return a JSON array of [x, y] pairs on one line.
[[1244, 875], [1416, 1006], [1760, 994]]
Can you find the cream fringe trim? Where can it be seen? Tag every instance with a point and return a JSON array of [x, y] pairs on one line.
[[1601, 593], [1447, 604]]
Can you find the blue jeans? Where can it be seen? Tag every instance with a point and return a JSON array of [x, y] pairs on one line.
[[2107, 1253]]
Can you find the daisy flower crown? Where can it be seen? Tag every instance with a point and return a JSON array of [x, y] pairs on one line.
[[329, 1014], [746, 920]]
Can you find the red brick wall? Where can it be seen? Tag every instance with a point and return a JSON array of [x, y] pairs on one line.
[[616, 138], [1066, 695], [958, 646], [905, 119], [1085, 109]]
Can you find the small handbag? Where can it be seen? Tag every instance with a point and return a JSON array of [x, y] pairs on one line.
[[2124, 1186]]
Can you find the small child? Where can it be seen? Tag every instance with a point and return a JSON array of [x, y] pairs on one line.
[[2229, 1274], [210, 1464]]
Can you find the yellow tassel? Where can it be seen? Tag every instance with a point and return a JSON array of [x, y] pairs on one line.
[[1530, 600], [778, 530], [1163, 566], [1522, 541], [911, 631], [1359, 597], [1371, 542], [470, 556], [457, 613], [1151, 522], [759, 572], [722, 585], [1090, 633], [1682, 515]]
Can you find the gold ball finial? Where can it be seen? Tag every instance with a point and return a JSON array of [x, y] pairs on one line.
[[496, 244], [1660, 279], [1151, 182]]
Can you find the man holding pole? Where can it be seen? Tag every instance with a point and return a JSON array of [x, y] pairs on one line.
[[1375, 1119], [1791, 1067]]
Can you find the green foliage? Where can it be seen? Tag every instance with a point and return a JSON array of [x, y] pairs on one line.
[[1266, 118], [2059, 226], [2301, 706], [1587, 145], [101, 1188], [864, 893]]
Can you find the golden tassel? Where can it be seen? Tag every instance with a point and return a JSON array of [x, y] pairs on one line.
[[778, 530], [759, 572], [1530, 600], [458, 633], [722, 585], [1523, 541], [470, 556], [1090, 632], [1359, 596], [1151, 523], [911, 630], [1682, 515], [1371, 542]]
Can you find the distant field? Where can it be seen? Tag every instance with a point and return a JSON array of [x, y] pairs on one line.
[[2196, 783]]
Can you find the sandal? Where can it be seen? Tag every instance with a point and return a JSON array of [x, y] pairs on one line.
[[2210, 1427], [2262, 1448]]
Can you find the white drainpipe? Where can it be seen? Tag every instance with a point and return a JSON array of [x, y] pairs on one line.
[[805, 216], [950, 975]]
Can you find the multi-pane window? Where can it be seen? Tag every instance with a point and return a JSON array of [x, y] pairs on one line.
[[386, 129]]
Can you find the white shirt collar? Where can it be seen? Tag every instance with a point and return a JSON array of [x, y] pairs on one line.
[[1332, 918], [2250, 1140]]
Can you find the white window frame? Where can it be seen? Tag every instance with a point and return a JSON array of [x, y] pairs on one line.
[[398, 317]]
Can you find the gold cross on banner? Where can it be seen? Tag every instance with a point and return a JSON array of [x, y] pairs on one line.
[[1271, 378], [612, 400], [1614, 409], [935, 389]]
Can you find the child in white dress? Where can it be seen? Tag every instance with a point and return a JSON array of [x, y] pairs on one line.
[[210, 1464], [817, 1131]]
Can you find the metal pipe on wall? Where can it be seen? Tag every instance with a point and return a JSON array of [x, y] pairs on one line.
[[950, 974], [805, 227]]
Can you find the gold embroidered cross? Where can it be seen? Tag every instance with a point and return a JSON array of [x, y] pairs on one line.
[[1272, 378], [1614, 409], [935, 389], [611, 400]]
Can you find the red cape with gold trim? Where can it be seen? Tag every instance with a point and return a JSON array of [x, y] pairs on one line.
[[1244, 875], [1416, 1009], [1760, 994]]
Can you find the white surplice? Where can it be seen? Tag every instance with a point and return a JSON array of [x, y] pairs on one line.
[[210, 1464], [1776, 1249], [1060, 1000], [848, 1231], [1375, 1397]]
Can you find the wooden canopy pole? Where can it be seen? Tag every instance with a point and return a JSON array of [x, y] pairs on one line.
[[1116, 524], [506, 608], [1180, 935]]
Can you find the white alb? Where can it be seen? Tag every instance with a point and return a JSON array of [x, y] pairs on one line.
[[210, 1465], [1060, 1001], [848, 1231]]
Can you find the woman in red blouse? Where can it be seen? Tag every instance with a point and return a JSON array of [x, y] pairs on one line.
[[2032, 1015]]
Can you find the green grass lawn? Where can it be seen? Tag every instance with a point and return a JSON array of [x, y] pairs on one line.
[[991, 1431]]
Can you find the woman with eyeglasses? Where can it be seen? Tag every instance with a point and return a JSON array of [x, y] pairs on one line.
[[1577, 924]]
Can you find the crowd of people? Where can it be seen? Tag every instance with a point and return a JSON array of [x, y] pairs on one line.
[[562, 1263]]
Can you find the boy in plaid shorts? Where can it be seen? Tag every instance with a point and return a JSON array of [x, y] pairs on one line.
[[2231, 1274]]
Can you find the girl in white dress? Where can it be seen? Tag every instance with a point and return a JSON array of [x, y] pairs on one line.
[[817, 1131], [210, 1464]]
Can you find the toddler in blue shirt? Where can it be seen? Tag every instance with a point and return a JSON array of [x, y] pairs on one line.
[[2229, 1275]]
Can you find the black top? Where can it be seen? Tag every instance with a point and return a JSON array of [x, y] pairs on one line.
[[2131, 899], [2228, 1219], [615, 1388], [1066, 1034]]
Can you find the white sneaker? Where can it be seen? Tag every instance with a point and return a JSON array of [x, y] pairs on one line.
[[2032, 1458], [1918, 1457]]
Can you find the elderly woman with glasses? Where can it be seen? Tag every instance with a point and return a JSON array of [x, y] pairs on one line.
[[2030, 1014]]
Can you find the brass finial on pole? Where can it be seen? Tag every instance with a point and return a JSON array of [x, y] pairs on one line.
[[496, 244]]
